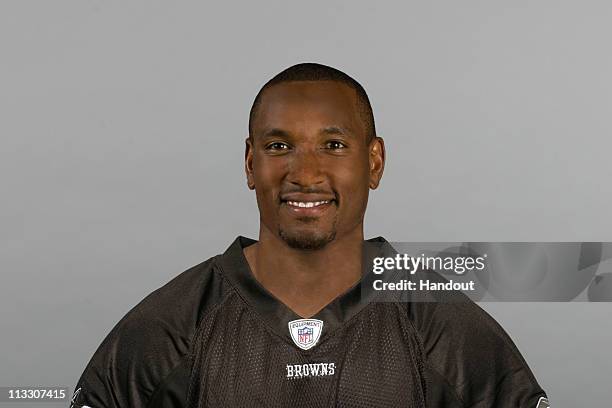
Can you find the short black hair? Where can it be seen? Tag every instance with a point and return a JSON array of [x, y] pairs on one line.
[[310, 71]]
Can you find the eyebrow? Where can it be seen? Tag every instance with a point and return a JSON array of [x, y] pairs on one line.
[[275, 132], [336, 130], [328, 130]]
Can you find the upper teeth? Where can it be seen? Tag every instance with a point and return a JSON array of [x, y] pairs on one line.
[[307, 204]]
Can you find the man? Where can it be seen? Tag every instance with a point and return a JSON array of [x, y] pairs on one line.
[[283, 321]]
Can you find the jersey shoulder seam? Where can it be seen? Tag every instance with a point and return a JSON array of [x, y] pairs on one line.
[[189, 353], [447, 383]]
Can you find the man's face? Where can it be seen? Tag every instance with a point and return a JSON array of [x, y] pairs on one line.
[[310, 164]]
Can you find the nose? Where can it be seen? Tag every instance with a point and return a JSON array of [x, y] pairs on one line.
[[305, 169]]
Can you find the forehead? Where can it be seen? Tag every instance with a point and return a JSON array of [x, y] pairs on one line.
[[289, 105]]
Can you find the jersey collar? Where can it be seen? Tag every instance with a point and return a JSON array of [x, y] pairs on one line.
[[275, 313]]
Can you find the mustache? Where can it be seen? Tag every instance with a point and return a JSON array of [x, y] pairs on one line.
[[330, 194], [307, 190]]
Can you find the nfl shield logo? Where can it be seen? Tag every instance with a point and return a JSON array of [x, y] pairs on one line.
[[305, 335], [305, 332]]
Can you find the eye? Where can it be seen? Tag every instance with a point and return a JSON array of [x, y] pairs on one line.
[[335, 145], [277, 146]]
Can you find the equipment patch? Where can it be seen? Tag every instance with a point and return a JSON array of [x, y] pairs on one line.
[[305, 332], [543, 403]]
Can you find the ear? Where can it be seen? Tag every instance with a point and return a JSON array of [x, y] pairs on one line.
[[377, 161], [248, 163]]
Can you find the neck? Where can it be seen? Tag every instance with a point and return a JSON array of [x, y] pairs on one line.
[[306, 281]]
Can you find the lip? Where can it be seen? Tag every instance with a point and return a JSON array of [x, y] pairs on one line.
[[302, 197]]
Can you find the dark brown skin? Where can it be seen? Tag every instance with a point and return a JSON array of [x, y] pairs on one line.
[[309, 144]]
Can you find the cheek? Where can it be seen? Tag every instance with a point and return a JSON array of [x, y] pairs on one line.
[[353, 186], [268, 176], [267, 171]]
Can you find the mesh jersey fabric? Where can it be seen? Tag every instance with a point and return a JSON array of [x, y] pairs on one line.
[[214, 337]]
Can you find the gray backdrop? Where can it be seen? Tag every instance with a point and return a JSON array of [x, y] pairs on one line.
[[122, 128]]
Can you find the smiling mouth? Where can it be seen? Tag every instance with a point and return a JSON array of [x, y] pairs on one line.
[[307, 204], [308, 210]]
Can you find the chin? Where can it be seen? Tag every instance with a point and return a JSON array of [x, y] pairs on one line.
[[307, 241]]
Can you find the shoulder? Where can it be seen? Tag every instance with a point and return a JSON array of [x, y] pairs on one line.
[[468, 358], [170, 312], [151, 340], [468, 354]]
